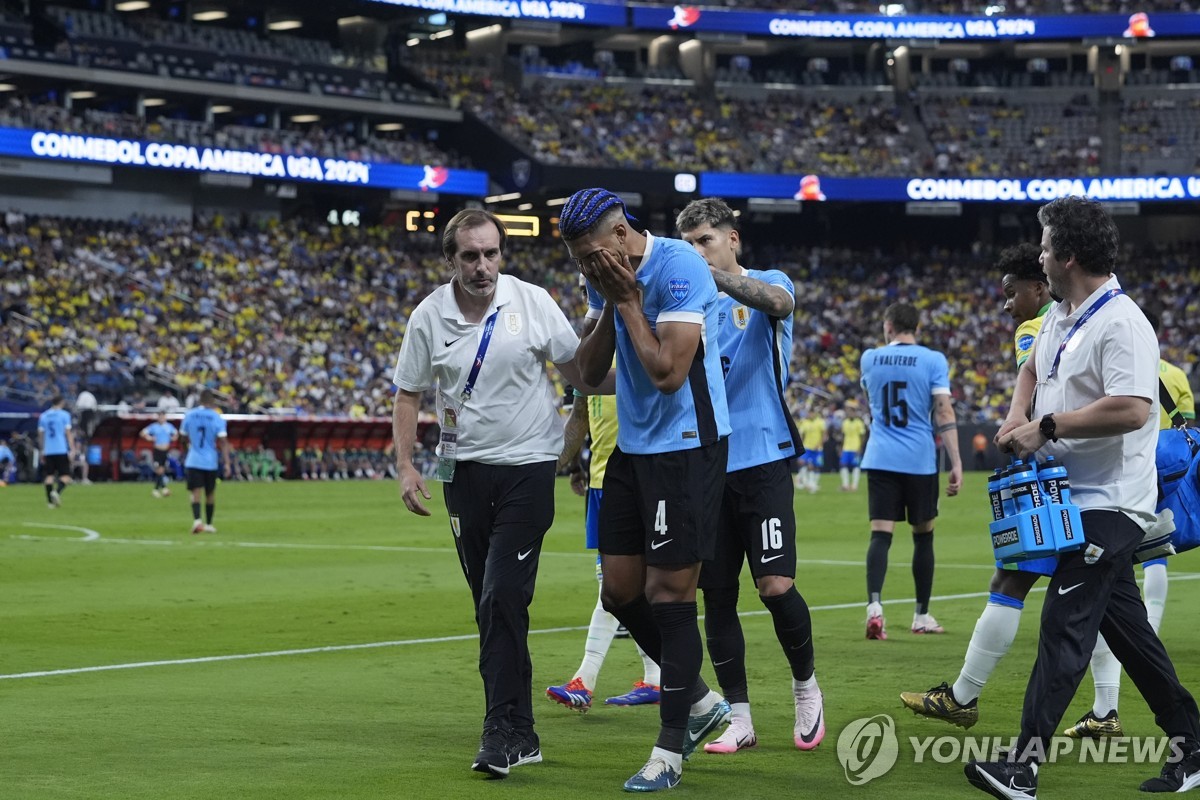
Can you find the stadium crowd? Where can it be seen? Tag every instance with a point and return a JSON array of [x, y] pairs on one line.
[[287, 317], [836, 130]]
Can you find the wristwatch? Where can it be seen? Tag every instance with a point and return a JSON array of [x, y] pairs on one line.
[[1047, 426]]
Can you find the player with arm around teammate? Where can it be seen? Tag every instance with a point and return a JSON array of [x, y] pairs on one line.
[[757, 519]]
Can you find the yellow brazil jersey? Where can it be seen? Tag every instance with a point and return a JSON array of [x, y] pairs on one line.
[[1181, 392], [812, 433], [853, 430], [602, 421], [1026, 334]]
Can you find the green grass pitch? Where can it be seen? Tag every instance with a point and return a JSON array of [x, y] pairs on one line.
[[387, 700]]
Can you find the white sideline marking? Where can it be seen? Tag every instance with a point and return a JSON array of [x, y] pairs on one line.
[[461, 638], [94, 536], [404, 642]]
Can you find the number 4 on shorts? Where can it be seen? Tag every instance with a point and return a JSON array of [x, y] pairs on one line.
[[660, 518]]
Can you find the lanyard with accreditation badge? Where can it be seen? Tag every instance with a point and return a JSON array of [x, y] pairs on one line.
[[1079, 323], [448, 444]]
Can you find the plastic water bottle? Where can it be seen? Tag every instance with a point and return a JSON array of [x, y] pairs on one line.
[[1027, 495], [1007, 503], [995, 481], [1055, 482]]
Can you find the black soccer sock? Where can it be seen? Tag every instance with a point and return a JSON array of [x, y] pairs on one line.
[[161, 481], [638, 619], [793, 628], [877, 562], [49, 489], [922, 568], [726, 642], [195, 511], [60, 487], [209, 510], [682, 654]]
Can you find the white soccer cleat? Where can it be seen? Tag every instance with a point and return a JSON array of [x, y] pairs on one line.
[[197, 527], [210, 529], [810, 717], [55, 500], [165, 492], [156, 494], [738, 736], [925, 623]]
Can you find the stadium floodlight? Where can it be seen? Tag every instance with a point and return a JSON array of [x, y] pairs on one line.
[[302, 118], [390, 126], [151, 102], [82, 94], [442, 34], [557, 201], [210, 15], [502, 198], [413, 42], [222, 109], [285, 25], [8, 87], [132, 5], [525, 207]]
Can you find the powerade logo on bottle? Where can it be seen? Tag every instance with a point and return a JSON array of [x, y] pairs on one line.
[[1068, 532], [1037, 530], [1004, 537]]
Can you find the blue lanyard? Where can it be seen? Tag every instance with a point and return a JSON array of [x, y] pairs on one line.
[[483, 346], [1079, 323]]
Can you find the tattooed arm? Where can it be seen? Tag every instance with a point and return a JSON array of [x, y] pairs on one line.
[[759, 295]]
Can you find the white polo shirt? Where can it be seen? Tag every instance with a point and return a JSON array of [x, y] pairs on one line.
[[1114, 354], [512, 416]]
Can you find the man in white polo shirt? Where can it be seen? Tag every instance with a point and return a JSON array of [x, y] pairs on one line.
[[482, 341], [1092, 383]]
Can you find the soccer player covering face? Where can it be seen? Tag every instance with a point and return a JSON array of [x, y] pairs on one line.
[[907, 386], [757, 518], [657, 310]]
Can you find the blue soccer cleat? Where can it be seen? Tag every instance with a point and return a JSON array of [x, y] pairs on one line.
[[573, 695], [701, 725], [655, 776], [641, 694]]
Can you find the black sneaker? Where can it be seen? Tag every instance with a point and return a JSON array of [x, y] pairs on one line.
[[492, 757], [622, 632], [524, 748], [1176, 776], [1004, 779]]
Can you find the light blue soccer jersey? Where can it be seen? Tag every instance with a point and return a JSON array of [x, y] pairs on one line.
[[899, 380], [203, 427], [755, 351], [162, 433], [676, 286], [55, 423]]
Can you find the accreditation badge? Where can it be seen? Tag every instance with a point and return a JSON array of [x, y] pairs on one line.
[[447, 449]]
